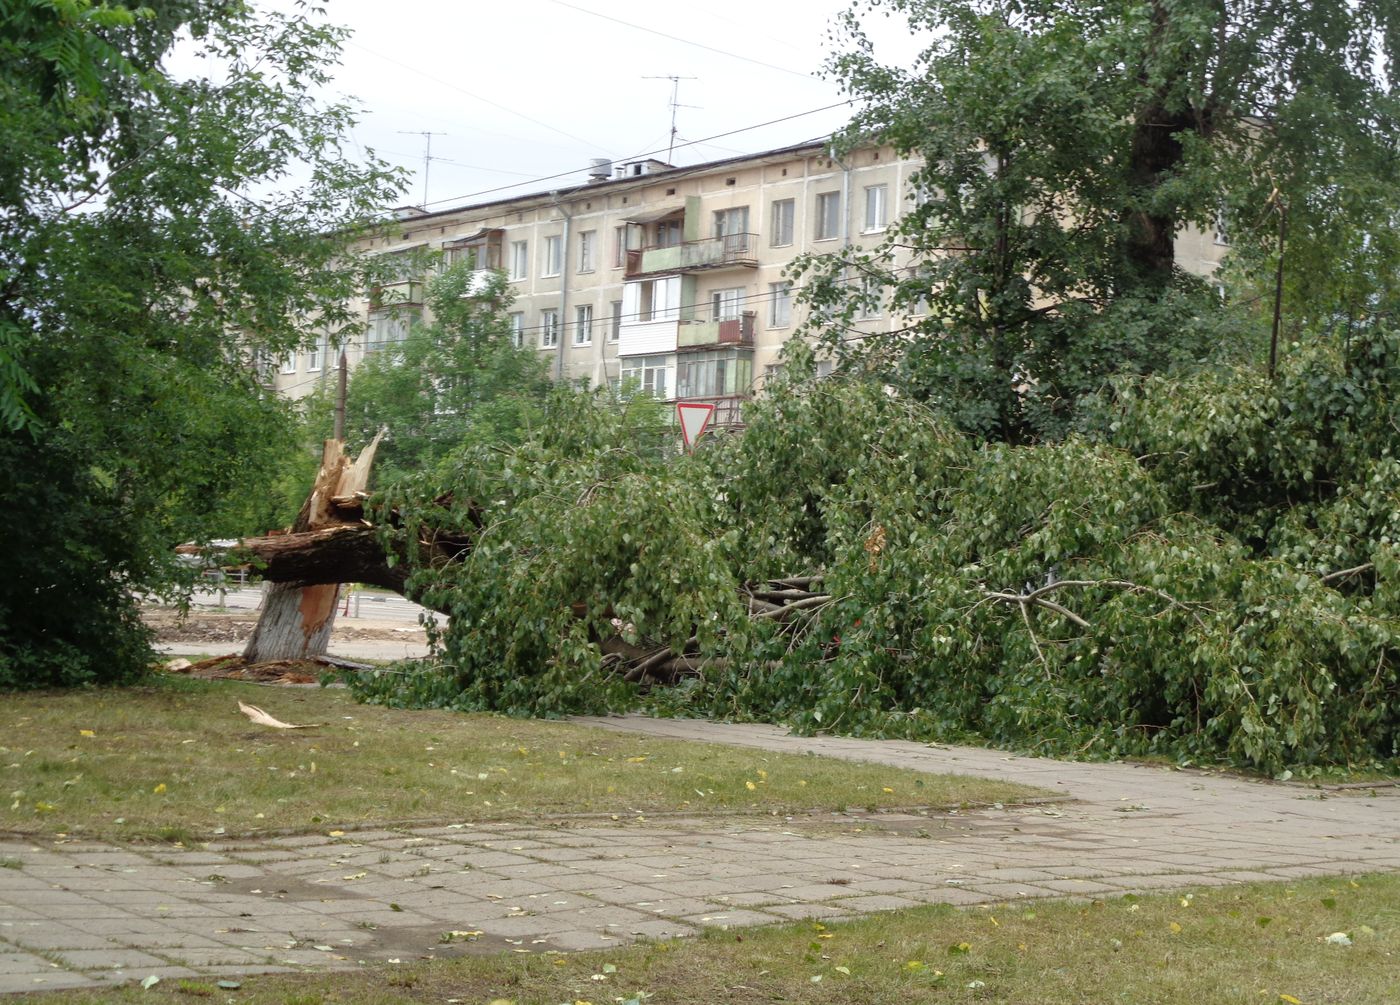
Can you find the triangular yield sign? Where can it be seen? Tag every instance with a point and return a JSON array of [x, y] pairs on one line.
[[694, 416]]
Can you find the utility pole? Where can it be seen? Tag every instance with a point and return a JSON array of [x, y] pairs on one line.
[[342, 382], [675, 103], [427, 154]]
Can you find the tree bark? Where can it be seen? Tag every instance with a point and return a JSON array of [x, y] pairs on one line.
[[347, 554], [297, 620]]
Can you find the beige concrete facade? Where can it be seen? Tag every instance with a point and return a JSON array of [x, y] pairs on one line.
[[674, 277]]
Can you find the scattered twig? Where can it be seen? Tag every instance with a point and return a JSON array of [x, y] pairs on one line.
[[1040, 653]]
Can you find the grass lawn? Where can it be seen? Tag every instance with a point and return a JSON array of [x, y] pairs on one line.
[[1261, 945], [175, 760]]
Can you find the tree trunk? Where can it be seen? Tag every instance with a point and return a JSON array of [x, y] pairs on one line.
[[1155, 154], [297, 620], [344, 554]]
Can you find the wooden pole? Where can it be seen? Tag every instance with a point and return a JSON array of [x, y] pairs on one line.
[[342, 384], [1278, 283]]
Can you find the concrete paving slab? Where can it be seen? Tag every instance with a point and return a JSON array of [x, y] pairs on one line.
[[115, 913]]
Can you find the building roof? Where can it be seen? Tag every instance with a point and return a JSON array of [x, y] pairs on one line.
[[613, 184]]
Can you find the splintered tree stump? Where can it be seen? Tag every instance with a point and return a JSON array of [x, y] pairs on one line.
[[297, 620]]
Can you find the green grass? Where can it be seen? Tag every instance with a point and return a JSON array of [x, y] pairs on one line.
[[177, 761], [1257, 945]]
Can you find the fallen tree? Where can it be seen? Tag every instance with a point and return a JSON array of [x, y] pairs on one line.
[[297, 618], [1086, 597]]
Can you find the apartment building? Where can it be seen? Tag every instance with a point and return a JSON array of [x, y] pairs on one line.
[[673, 277]]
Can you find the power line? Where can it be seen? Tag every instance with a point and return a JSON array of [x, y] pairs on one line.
[[683, 41], [472, 94], [647, 153]]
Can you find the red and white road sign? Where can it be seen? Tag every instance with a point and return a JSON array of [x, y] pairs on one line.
[[694, 417]]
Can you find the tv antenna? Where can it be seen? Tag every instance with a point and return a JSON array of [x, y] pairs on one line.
[[675, 103], [427, 155]]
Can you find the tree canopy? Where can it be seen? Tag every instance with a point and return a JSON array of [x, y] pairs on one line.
[[160, 237], [457, 377], [1068, 144]]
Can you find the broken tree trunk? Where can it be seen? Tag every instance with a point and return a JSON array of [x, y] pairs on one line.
[[297, 620]]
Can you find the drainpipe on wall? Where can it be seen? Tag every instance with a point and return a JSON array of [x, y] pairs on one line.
[[564, 337], [845, 200]]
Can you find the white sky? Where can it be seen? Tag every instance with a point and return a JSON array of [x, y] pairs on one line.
[[520, 89]]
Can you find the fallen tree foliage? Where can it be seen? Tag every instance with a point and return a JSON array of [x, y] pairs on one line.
[[1208, 573]]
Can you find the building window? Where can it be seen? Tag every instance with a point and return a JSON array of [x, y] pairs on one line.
[[615, 329], [289, 363], [519, 259], [553, 256], [620, 246], [653, 299], [388, 326], [668, 233], [780, 309], [650, 373], [315, 354], [872, 295], [784, 213], [549, 329], [583, 324], [717, 374], [828, 216], [517, 329], [875, 208], [732, 228], [727, 304], [587, 243], [1222, 235]]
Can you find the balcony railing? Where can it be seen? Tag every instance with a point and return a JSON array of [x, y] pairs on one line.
[[726, 252], [636, 338], [399, 293], [725, 331], [729, 409]]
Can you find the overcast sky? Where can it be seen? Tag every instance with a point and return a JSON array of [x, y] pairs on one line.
[[516, 90]]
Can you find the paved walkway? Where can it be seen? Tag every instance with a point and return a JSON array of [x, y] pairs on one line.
[[82, 914]]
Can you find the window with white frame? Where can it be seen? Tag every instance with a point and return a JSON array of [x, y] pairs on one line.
[[587, 250], [650, 374], [828, 216], [517, 329], [784, 215], [715, 374], [519, 259], [314, 355], [780, 305], [553, 256], [668, 233], [731, 223], [583, 324], [620, 246], [387, 327], [289, 363], [615, 325], [727, 304], [875, 207], [652, 299], [872, 298], [549, 329], [1222, 233]]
